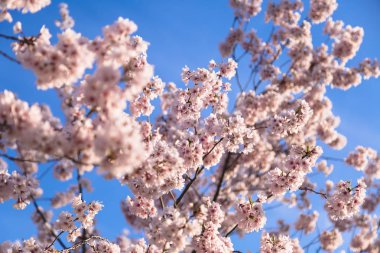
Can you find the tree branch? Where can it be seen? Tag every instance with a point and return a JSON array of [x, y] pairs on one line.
[[187, 187], [80, 188], [55, 239], [18, 159], [231, 231], [83, 242], [225, 166], [312, 190], [333, 158], [197, 172], [9, 37], [41, 214], [9, 57]]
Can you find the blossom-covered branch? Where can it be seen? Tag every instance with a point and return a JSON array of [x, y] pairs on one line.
[[211, 162]]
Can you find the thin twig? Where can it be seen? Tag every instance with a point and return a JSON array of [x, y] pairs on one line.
[[9, 37], [187, 187], [219, 141], [41, 214], [55, 239], [225, 166], [333, 158], [9, 57], [90, 112], [237, 71], [45, 172], [18, 159], [231, 231], [197, 172], [162, 203], [273, 207], [79, 244], [238, 79], [80, 187], [314, 191]]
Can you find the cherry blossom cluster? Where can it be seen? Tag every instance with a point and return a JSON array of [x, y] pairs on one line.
[[22, 5], [320, 10], [365, 159], [18, 187], [57, 65], [141, 207], [346, 200], [250, 216], [292, 175], [66, 21], [159, 174], [291, 121], [201, 159], [84, 214], [276, 243], [170, 230], [210, 239], [331, 240], [246, 8], [307, 223], [32, 127], [30, 245]]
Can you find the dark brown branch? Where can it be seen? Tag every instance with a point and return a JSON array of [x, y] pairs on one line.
[[80, 188], [41, 214], [225, 167], [79, 162], [90, 112], [234, 22], [9, 57], [256, 67], [231, 231], [237, 71], [241, 56], [273, 207], [9, 37], [83, 242], [23, 40], [45, 172], [219, 141], [55, 239], [162, 203], [333, 158], [313, 241], [172, 195], [238, 79], [188, 185], [197, 172], [18, 159], [312, 190]]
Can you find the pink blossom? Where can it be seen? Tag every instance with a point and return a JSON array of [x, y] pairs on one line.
[[275, 243], [346, 200], [330, 241], [250, 216]]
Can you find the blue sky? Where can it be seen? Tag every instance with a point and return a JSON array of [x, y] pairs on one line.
[[185, 32]]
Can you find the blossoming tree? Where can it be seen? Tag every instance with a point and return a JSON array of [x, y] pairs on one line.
[[208, 165]]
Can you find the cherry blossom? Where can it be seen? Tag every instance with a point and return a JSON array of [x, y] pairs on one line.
[[331, 240], [346, 200], [275, 243], [198, 160]]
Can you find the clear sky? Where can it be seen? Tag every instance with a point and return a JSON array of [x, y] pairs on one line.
[[185, 32]]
